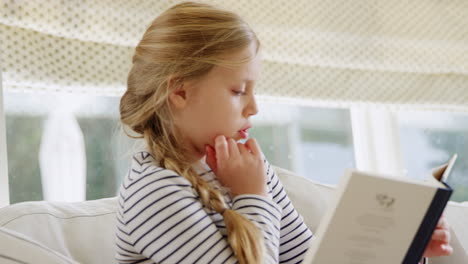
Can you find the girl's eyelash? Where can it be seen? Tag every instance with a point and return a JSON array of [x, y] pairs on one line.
[[238, 92]]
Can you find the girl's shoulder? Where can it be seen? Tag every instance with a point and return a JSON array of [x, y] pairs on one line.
[[145, 173], [143, 159], [146, 183]]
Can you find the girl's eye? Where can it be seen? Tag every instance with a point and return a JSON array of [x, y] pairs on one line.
[[238, 93]]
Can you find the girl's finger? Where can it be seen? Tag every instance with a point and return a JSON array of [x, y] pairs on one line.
[[442, 235], [221, 149], [211, 158], [242, 148], [233, 149], [447, 249], [443, 223], [437, 249], [253, 146]]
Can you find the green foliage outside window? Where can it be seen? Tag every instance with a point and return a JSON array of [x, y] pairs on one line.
[[449, 142], [23, 141], [24, 135]]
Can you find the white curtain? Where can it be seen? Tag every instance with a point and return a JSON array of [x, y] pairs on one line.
[[340, 53], [62, 158]]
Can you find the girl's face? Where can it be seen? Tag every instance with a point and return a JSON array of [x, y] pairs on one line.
[[220, 103]]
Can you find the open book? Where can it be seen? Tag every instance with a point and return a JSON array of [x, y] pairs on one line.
[[380, 219]]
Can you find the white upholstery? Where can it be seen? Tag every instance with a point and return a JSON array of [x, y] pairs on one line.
[[18, 248], [84, 231], [310, 198]]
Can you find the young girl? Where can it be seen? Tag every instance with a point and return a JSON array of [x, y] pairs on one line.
[[195, 195]]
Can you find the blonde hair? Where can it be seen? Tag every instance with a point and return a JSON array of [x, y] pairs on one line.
[[184, 43]]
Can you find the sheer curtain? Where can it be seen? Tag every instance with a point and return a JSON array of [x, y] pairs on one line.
[[397, 53], [62, 158]]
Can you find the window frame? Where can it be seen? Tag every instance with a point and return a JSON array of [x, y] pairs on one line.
[[4, 184]]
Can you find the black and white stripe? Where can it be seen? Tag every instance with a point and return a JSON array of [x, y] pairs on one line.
[[161, 219]]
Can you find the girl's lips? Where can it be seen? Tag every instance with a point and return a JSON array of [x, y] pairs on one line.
[[248, 126], [244, 134]]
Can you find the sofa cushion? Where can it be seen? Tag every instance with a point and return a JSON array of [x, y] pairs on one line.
[[310, 198], [83, 231], [457, 215], [13, 247]]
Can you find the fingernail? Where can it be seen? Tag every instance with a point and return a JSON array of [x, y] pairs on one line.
[[445, 247]]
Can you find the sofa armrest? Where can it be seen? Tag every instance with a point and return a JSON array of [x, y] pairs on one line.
[[83, 231], [18, 248]]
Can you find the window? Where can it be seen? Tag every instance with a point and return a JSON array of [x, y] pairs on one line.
[[82, 133], [66, 144], [48, 135], [429, 139], [313, 142]]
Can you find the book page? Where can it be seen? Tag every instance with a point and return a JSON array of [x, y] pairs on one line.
[[443, 172]]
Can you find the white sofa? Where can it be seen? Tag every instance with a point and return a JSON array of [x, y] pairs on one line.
[[47, 232]]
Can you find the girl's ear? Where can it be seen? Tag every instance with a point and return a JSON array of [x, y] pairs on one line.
[[178, 95]]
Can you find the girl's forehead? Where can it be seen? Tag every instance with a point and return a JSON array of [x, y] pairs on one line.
[[248, 52], [248, 71]]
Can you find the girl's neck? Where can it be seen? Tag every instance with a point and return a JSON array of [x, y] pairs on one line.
[[200, 166]]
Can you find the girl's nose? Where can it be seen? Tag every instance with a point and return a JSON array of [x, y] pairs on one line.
[[251, 109]]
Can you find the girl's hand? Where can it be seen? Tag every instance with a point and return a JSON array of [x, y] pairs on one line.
[[439, 244], [237, 166]]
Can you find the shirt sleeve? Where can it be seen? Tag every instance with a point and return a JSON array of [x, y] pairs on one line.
[[162, 218], [295, 236], [266, 215]]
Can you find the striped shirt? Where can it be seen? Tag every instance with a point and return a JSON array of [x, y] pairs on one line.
[[161, 219]]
